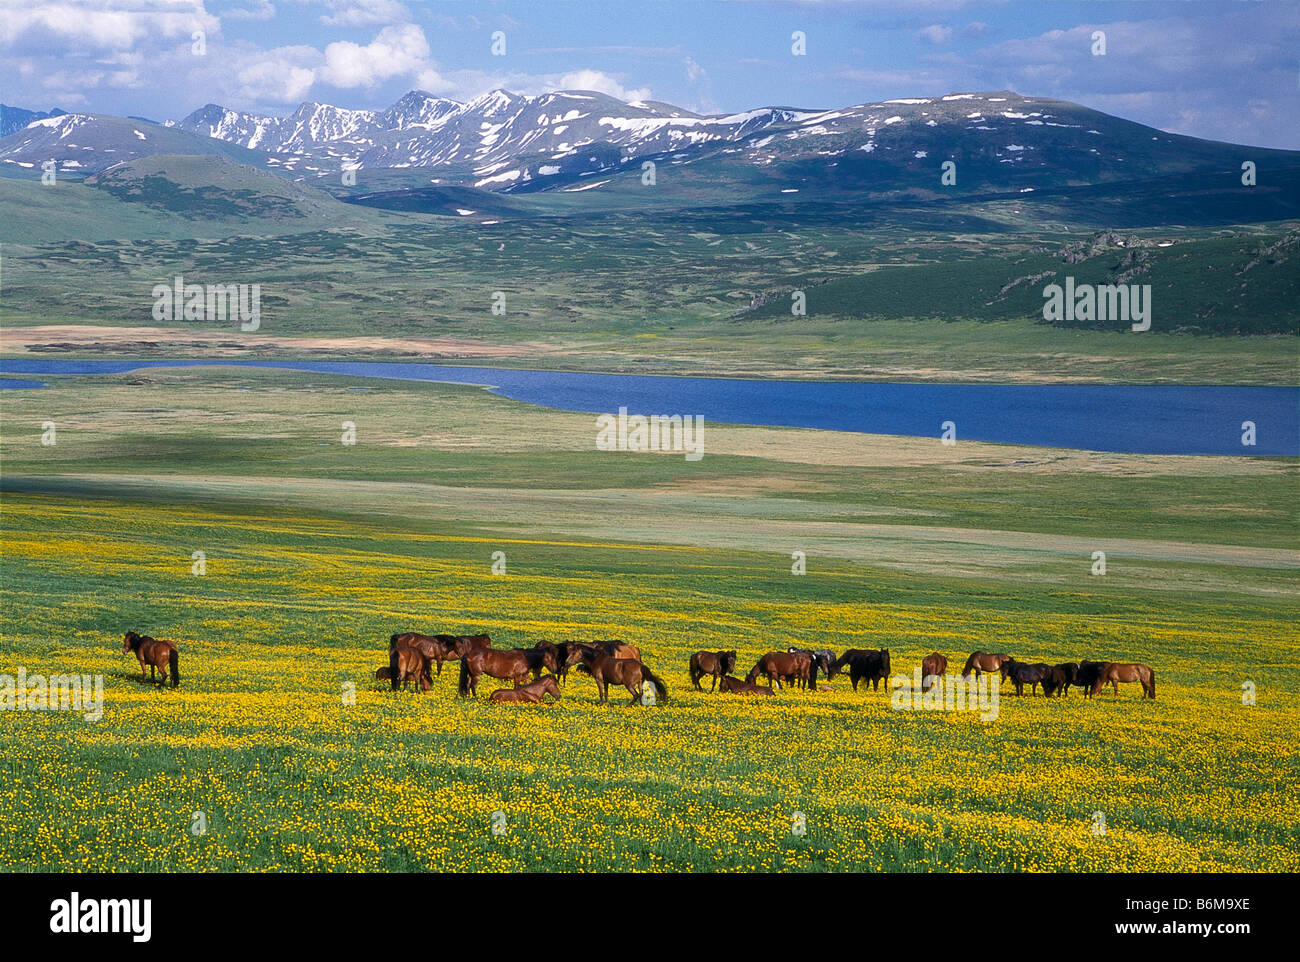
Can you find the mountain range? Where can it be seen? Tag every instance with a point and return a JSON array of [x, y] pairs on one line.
[[570, 140]]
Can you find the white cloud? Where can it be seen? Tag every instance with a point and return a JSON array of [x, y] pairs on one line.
[[936, 34], [100, 25], [601, 83], [397, 51], [364, 13]]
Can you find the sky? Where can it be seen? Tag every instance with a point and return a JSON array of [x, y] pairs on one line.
[[1220, 70]]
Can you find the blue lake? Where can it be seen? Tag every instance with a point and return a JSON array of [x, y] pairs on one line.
[[1164, 419]]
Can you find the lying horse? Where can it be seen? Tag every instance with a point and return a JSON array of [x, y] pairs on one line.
[[933, 666], [532, 693], [717, 664], [159, 654], [1020, 675], [868, 665], [735, 686], [409, 664], [1113, 672], [983, 661], [514, 665], [792, 667], [604, 668]]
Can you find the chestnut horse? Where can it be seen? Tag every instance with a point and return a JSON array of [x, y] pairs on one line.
[[735, 686], [1113, 672], [933, 666], [514, 664], [438, 648], [532, 693], [544, 654], [604, 668], [795, 667], [158, 654], [717, 664], [983, 661], [409, 664]]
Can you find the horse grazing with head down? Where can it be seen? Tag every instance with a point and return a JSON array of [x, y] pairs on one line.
[[717, 664], [438, 648], [983, 661], [1113, 672], [1020, 675], [514, 664], [933, 666], [533, 693], [159, 654], [865, 665], [605, 668], [791, 667]]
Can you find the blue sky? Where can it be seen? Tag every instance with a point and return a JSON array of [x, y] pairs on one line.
[[1222, 70]]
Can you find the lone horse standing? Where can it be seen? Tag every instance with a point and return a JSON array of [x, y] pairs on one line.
[[158, 654]]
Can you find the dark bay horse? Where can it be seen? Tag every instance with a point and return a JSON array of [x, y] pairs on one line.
[[933, 666], [1020, 675], [544, 654], [1113, 672], [735, 686], [159, 654], [605, 668], [865, 665], [792, 667], [532, 693], [983, 661], [1086, 675], [717, 664]]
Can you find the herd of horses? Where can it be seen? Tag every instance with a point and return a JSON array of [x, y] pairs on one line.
[[415, 658]]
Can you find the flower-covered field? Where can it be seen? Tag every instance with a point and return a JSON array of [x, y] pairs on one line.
[[280, 752]]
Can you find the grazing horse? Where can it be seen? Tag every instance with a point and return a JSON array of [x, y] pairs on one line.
[[1059, 679], [1086, 675], [1113, 672], [532, 693], [439, 648], [933, 666], [983, 661], [604, 667], [868, 665], [159, 654], [823, 658], [409, 664], [735, 686], [793, 667], [1020, 675], [513, 664], [717, 664], [383, 674]]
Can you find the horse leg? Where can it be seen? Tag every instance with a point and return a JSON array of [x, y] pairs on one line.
[[636, 692], [714, 685]]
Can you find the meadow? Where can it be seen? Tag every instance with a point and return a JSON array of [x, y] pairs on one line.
[[316, 552]]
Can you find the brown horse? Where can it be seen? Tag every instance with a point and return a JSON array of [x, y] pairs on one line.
[[532, 693], [983, 661], [409, 664], [438, 648], [1113, 672], [933, 666], [383, 674], [571, 652], [735, 686], [512, 664], [1085, 675], [159, 654], [1020, 675], [793, 667], [717, 664], [604, 668], [870, 665], [544, 654]]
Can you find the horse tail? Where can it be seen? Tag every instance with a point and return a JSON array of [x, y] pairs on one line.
[[812, 676], [174, 660], [392, 642], [655, 680], [394, 672], [462, 686]]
